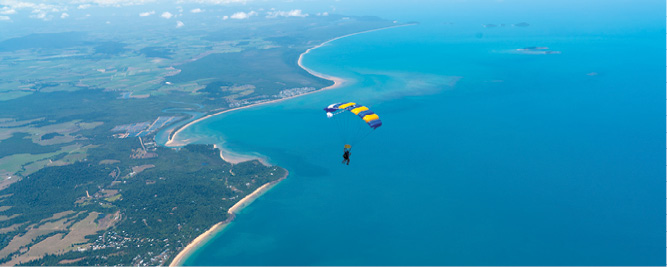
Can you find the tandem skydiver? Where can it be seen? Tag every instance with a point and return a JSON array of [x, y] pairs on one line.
[[346, 154]]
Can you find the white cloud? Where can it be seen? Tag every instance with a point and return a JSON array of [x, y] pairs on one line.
[[18, 4], [196, 10], [114, 3], [64, 15], [291, 13], [225, 17], [213, 2], [179, 24], [40, 15], [324, 14], [146, 14], [7, 11], [84, 6], [296, 13], [39, 11], [243, 15], [166, 15], [5, 18]]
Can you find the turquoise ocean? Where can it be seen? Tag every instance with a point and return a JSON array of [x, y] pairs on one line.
[[487, 155]]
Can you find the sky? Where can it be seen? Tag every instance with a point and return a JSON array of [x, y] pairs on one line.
[[45, 16]]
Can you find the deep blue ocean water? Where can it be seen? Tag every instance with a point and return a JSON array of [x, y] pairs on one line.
[[486, 156]]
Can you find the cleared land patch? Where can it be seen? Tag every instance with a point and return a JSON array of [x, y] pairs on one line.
[[61, 243]]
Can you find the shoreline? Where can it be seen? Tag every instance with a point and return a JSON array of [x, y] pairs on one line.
[[235, 209], [201, 239], [172, 143], [338, 82], [248, 199], [235, 159], [333, 78]]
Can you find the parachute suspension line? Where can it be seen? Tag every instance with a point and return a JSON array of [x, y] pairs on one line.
[[341, 123], [343, 127], [353, 123], [362, 130], [353, 128], [364, 136], [339, 127], [361, 127]]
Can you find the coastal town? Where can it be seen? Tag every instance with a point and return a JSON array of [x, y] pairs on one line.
[[119, 240]]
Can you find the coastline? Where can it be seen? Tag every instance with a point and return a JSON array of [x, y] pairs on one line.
[[338, 82], [235, 159], [248, 199], [172, 143], [333, 78], [203, 238]]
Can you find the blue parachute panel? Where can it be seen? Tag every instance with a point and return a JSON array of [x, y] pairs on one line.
[[374, 123]]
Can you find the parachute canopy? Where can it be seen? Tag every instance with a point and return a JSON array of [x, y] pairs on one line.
[[372, 119], [354, 122]]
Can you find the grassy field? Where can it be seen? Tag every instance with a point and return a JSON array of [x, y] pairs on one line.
[[64, 242], [32, 234], [24, 164]]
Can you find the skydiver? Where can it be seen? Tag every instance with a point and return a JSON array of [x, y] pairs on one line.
[[346, 155]]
